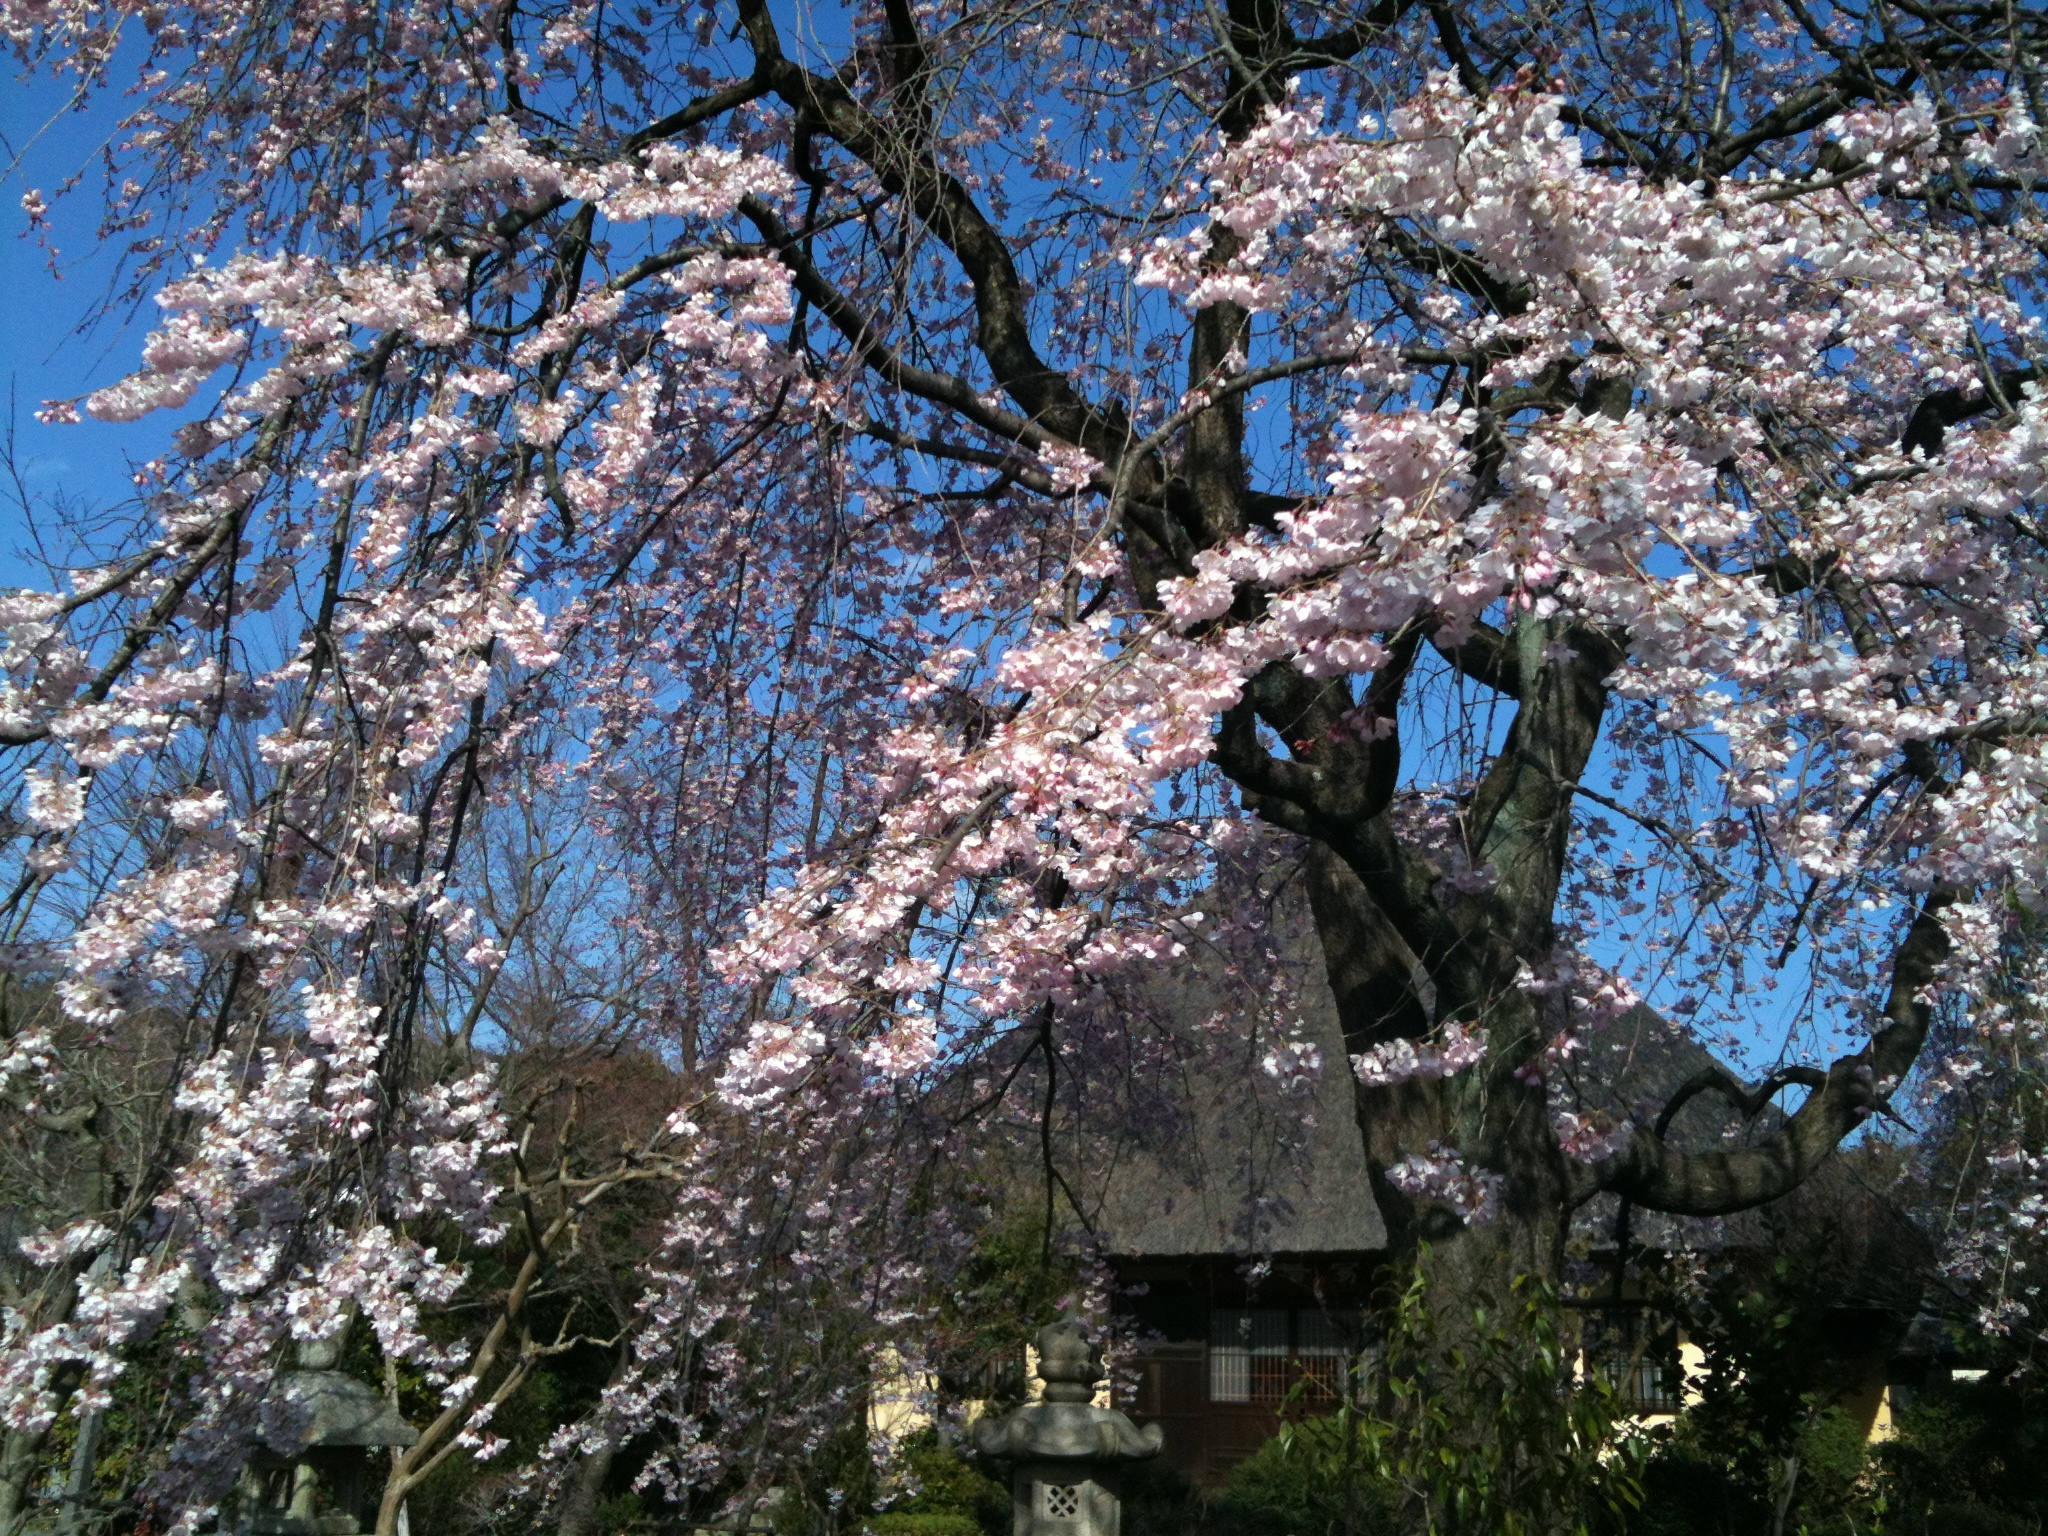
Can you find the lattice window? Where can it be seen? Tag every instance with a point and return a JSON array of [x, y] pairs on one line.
[[1325, 1344], [1061, 1501], [1644, 1371], [1269, 1354], [1650, 1387], [1247, 1354]]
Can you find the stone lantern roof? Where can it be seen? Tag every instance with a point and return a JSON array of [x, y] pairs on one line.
[[1066, 1454], [1065, 1426], [331, 1408]]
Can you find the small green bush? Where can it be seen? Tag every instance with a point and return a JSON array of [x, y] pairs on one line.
[[1315, 1479], [948, 1486], [1978, 1520], [620, 1513], [904, 1523], [1690, 1492], [1159, 1501]]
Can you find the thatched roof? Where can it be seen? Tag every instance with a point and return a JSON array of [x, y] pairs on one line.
[[1247, 1169]]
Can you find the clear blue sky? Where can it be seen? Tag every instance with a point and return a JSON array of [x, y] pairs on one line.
[[47, 354], [44, 353]]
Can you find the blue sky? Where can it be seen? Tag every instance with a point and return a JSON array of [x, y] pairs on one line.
[[51, 351], [45, 353]]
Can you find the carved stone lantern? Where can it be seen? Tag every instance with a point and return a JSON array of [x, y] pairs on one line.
[[312, 1475], [1067, 1454]]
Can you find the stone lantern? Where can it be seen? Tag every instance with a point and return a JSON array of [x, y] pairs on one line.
[[1065, 1452], [313, 1475]]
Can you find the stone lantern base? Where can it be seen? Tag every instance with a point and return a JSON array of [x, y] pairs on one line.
[[1065, 1498]]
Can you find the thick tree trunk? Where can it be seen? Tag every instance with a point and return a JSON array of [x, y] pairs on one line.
[[79, 1489], [1493, 1215], [1491, 1117], [21, 1457]]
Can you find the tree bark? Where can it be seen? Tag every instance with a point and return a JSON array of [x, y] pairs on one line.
[[578, 1515], [85, 1194], [78, 1489], [586, 1488]]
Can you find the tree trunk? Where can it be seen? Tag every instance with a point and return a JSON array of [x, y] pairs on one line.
[[586, 1484], [1491, 1117], [84, 1459], [1782, 1504], [18, 1453], [21, 1453], [586, 1488], [1474, 1195]]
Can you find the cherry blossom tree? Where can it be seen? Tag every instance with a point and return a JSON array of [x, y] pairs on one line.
[[937, 503]]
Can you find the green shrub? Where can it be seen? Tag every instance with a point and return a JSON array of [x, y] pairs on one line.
[[904, 1523], [1483, 1427], [1699, 1484], [948, 1486], [1689, 1492], [1159, 1501], [1965, 1461], [1965, 1454], [1316, 1478], [1978, 1520], [620, 1513], [1490, 1430], [1834, 1476]]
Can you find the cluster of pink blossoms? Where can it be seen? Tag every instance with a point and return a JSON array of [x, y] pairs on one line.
[[535, 479]]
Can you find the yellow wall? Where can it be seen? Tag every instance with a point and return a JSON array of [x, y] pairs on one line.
[[898, 1401], [1869, 1402]]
